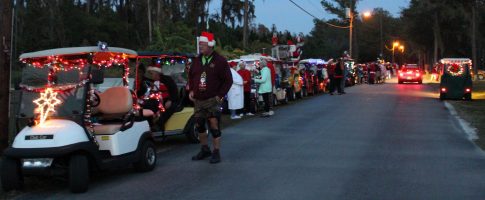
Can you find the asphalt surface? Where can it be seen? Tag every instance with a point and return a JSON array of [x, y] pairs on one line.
[[376, 142]]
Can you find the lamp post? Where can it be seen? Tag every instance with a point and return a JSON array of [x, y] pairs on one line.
[[394, 46], [401, 48]]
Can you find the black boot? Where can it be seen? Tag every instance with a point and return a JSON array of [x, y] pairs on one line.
[[216, 157], [203, 153]]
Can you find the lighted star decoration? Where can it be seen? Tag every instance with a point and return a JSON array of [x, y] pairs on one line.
[[46, 103]]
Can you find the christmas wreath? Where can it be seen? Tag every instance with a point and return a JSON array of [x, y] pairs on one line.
[[455, 69]]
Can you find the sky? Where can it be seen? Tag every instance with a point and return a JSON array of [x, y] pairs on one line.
[[286, 16]]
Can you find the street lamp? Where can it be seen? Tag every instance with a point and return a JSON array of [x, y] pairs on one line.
[[350, 15], [396, 45], [368, 14]]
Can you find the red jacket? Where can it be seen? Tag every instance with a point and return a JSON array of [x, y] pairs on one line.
[[246, 76], [273, 73]]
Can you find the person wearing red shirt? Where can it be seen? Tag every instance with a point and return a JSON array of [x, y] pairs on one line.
[[246, 76]]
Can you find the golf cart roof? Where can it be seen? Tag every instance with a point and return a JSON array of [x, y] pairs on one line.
[[78, 51], [255, 57], [163, 54], [313, 61], [456, 60]]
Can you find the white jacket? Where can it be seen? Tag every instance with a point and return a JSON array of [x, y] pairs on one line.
[[235, 96]]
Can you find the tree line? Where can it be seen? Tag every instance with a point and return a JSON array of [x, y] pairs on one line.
[[429, 30]]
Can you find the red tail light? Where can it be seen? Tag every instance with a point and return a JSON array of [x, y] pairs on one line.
[[468, 90], [443, 89]]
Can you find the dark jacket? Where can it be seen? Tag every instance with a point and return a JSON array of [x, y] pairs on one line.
[[219, 78]]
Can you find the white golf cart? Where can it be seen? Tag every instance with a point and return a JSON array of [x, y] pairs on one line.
[[69, 128]]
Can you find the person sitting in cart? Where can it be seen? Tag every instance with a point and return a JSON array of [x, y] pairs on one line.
[[156, 81]]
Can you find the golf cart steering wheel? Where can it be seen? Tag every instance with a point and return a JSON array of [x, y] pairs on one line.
[[95, 100]]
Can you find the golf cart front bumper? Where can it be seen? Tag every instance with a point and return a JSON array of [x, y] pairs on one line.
[[53, 152]]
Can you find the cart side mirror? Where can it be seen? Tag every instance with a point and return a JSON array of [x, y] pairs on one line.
[[97, 76]]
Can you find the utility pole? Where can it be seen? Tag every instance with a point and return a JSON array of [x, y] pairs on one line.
[[350, 15], [474, 40], [5, 39], [382, 42], [245, 25]]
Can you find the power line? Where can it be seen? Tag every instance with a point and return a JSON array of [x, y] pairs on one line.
[[336, 26]]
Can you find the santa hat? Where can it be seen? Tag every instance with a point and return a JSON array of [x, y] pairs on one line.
[[207, 37], [232, 63], [156, 68]]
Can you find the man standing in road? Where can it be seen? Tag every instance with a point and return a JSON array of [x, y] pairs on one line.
[[210, 80]]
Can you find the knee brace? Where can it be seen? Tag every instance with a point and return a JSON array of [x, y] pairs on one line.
[[216, 133], [200, 125]]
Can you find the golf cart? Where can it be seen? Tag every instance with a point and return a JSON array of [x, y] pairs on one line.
[[69, 129], [173, 65], [456, 80]]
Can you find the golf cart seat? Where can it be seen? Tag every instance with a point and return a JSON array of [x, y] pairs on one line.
[[113, 110]]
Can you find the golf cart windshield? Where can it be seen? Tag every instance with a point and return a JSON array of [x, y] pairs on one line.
[[177, 72], [68, 88]]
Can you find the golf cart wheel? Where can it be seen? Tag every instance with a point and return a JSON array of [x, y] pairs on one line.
[[442, 96], [190, 132], [298, 95], [78, 173], [12, 178], [468, 96], [275, 100], [148, 157], [253, 106], [285, 100]]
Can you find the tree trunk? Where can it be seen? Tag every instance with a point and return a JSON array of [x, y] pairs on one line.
[[474, 39], [246, 21], [436, 33], [223, 11], [5, 36], [149, 13]]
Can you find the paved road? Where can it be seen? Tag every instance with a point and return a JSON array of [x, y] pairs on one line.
[[376, 142]]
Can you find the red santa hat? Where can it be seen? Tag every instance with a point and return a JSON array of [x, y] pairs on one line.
[[207, 37], [232, 63]]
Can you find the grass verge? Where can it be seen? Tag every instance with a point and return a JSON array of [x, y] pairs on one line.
[[474, 111]]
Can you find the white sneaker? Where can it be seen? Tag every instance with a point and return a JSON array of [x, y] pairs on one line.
[[235, 117], [250, 114], [241, 115], [270, 113]]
